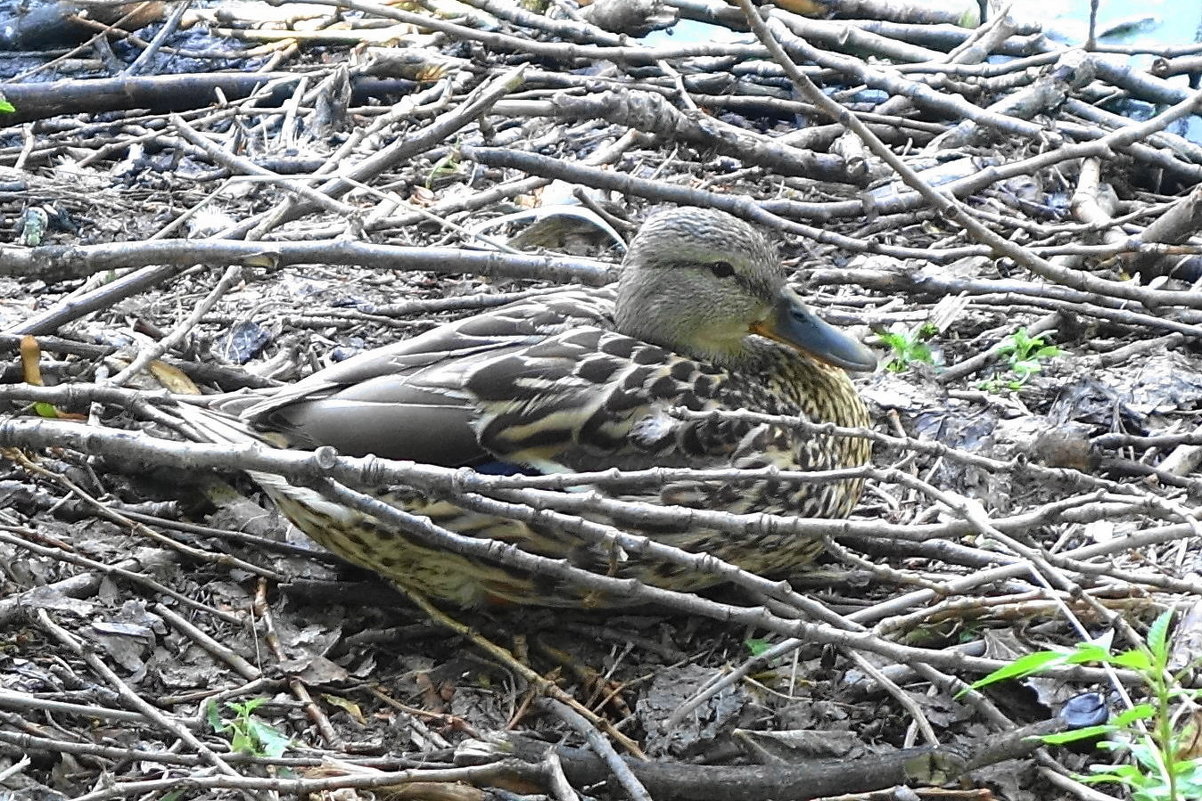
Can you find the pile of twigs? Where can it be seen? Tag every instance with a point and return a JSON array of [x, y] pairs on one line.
[[953, 188]]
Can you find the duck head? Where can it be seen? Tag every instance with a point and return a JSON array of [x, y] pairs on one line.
[[700, 281]]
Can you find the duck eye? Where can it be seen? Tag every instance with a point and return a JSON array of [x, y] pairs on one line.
[[722, 269]]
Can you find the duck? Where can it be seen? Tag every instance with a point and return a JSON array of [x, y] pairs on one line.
[[701, 318]]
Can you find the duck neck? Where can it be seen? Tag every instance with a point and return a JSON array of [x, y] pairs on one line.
[[670, 318]]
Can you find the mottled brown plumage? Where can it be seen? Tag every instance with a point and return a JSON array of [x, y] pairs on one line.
[[583, 380]]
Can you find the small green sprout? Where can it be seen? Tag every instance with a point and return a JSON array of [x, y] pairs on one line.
[[445, 167], [1022, 356], [909, 347], [757, 645], [248, 734]]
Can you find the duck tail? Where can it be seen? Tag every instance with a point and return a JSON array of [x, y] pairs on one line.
[[219, 422]]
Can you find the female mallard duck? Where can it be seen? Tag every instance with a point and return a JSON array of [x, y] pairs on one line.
[[581, 380]]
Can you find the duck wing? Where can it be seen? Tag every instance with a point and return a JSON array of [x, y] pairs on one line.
[[591, 399], [407, 400]]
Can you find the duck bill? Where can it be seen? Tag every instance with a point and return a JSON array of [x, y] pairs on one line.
[[792, 323]]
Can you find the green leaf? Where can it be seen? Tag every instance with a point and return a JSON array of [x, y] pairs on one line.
[[1136, 660], [908, 347], [271, 742], [1087, 652], [1107, 778], [7, 107], [1022, 353], [757, 646], [218, 725], [1073, 736], [242, 742], [46, 410], [245, 708], [1148, 759], [1026, 366], [1185, 693], [1189, 767], [1019, 668], [1125, 774], [1189, 779], [1158, 792], [1158, 632], [1137, 712]]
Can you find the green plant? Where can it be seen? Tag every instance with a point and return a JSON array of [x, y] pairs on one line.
[[908, 347], [1148, 731], [757, 645], [445, 167], [1022, 356], [248, 734]]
